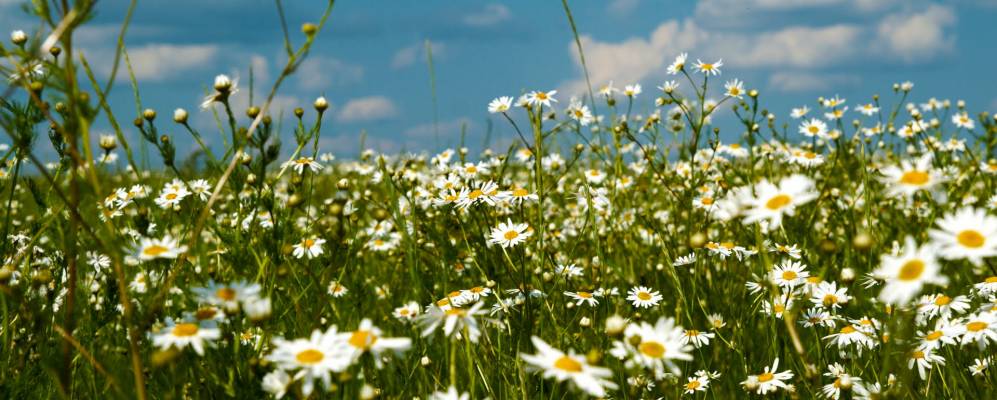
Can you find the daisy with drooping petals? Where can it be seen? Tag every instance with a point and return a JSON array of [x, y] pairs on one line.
[[968, 233], [910, 177], [508, 234], [678, 65], [709, 68], [906, 273], [369, 338], [500, 105], [309, 247], [582, 297], [980, 328], [643, 297], [769, 380], [455, 321], [537, 97], [562, 366]]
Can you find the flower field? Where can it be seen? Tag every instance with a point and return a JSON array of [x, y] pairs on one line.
[[847, 250]]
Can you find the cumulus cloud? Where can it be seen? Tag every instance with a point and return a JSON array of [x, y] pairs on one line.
[[789, 49], [799, 81], [158, 62], [916, 35], [622, 7], [367, 109], [491, 15], [408, 55], [321, 72]]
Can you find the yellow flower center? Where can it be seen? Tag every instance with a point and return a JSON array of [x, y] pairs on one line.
[[911, 270], [569, 364], [310, 356], [362, 339], [584, 295], [813, 129], [520, 192], [917, 354], [933, 335], [225, 293], [915, 178], [154, 250], [706, 201], [475, 194], [970, 238], [692, 385], [830, 299], [308, 243], [644, 296], [170, 196], [205, 313], [768, 376], [185, 329], [943, 300], [976, 326], [778, 201], [847, 329], [789, 275], [510, 235], [652, 349], [992, 279]]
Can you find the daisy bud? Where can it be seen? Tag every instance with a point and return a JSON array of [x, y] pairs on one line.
[[615, 325], [18, 37], [180, 116], [251, 179], [294, 200], [299, 112], [252, 112], [847, 274], [108, 142], [845, 382], [368, 392], [258, 309], [584, 322], [321, 104], [862, 241], [593, 356], [223, 83], [149, 114], [753, 93], [55, 51], [425, 361], [245, 158], [343, 184], [309, 29], [697, 240], [547, 276], [5, 273]]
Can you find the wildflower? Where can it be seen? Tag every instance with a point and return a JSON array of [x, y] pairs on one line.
[[980, 328], [407, 312], [500, 105], [337, 289], [908, 272], [310, 247], [696, 383], [655, 347], [582, 297], [224, 87], [314, 358], [962, 120], [940, 305], [789, 274], [685, 260], [455, 321], [369, 338], [568, 366], [798, 113], [828, 295], [709, 68], [167, 247], [276, 382], [189, 332], [697, 338], [678, 65], [924, 359], [171, 196], [508, 234], [909, 177], [769, 380], [813, 127], [979, 366], [643, 297], [773, 202], [631, 90], [735, 88], [228, 296], [450, 394], [536, 97], [966, 234], [301, 163]]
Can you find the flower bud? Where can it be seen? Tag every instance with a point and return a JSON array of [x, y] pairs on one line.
[[309, 29], [615, 325], [223, 83], [252, 112], [321, 104], [18, 37], [108, 142], [149, 114], [180, 116]]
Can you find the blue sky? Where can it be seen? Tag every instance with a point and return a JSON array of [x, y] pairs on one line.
[[370, 63]]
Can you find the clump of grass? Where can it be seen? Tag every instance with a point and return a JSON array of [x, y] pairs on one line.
[[630, 254]]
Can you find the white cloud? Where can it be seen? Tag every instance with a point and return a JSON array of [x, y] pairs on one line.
[[918, 35], [408, 55], [322, 72], [749, 12], [447, 129], [791, 49], [158, 62], [367, 109], [796, 81], [622, 7], [491, 15]]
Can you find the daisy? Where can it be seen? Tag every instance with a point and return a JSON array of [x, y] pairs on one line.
[[536, 97], [906, 273], [687, 259], [798, 113], [842, 381], [369, 338], [643, 297], [735, 88], [696, 383], [201, 188], [568, 366], [980, 328], [569, 271], [580, 112], [500, 105], [276, 383], [408, 312], [301, 163], [828, 295], [581, 297], [189, 332], [696, 338], [813, 127], [851, 334], [508, 234], [979, 366], [924, 359], [789, 274], [908, 178], [817, 316], [769, 380], [167, 247], [962, 120], [940, 305], [868, 109], [308, 247], [314, 358], [806, 158], [224, 87], [655, 347], [678, 65], [228, 296], [450, 394], [455, 321], [709, 68], [966, 234], [337, 289], [171, 196], [792, 250], [772, 202], [944, 332]]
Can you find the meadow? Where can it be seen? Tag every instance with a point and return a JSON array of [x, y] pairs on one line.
[[845, 251]]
